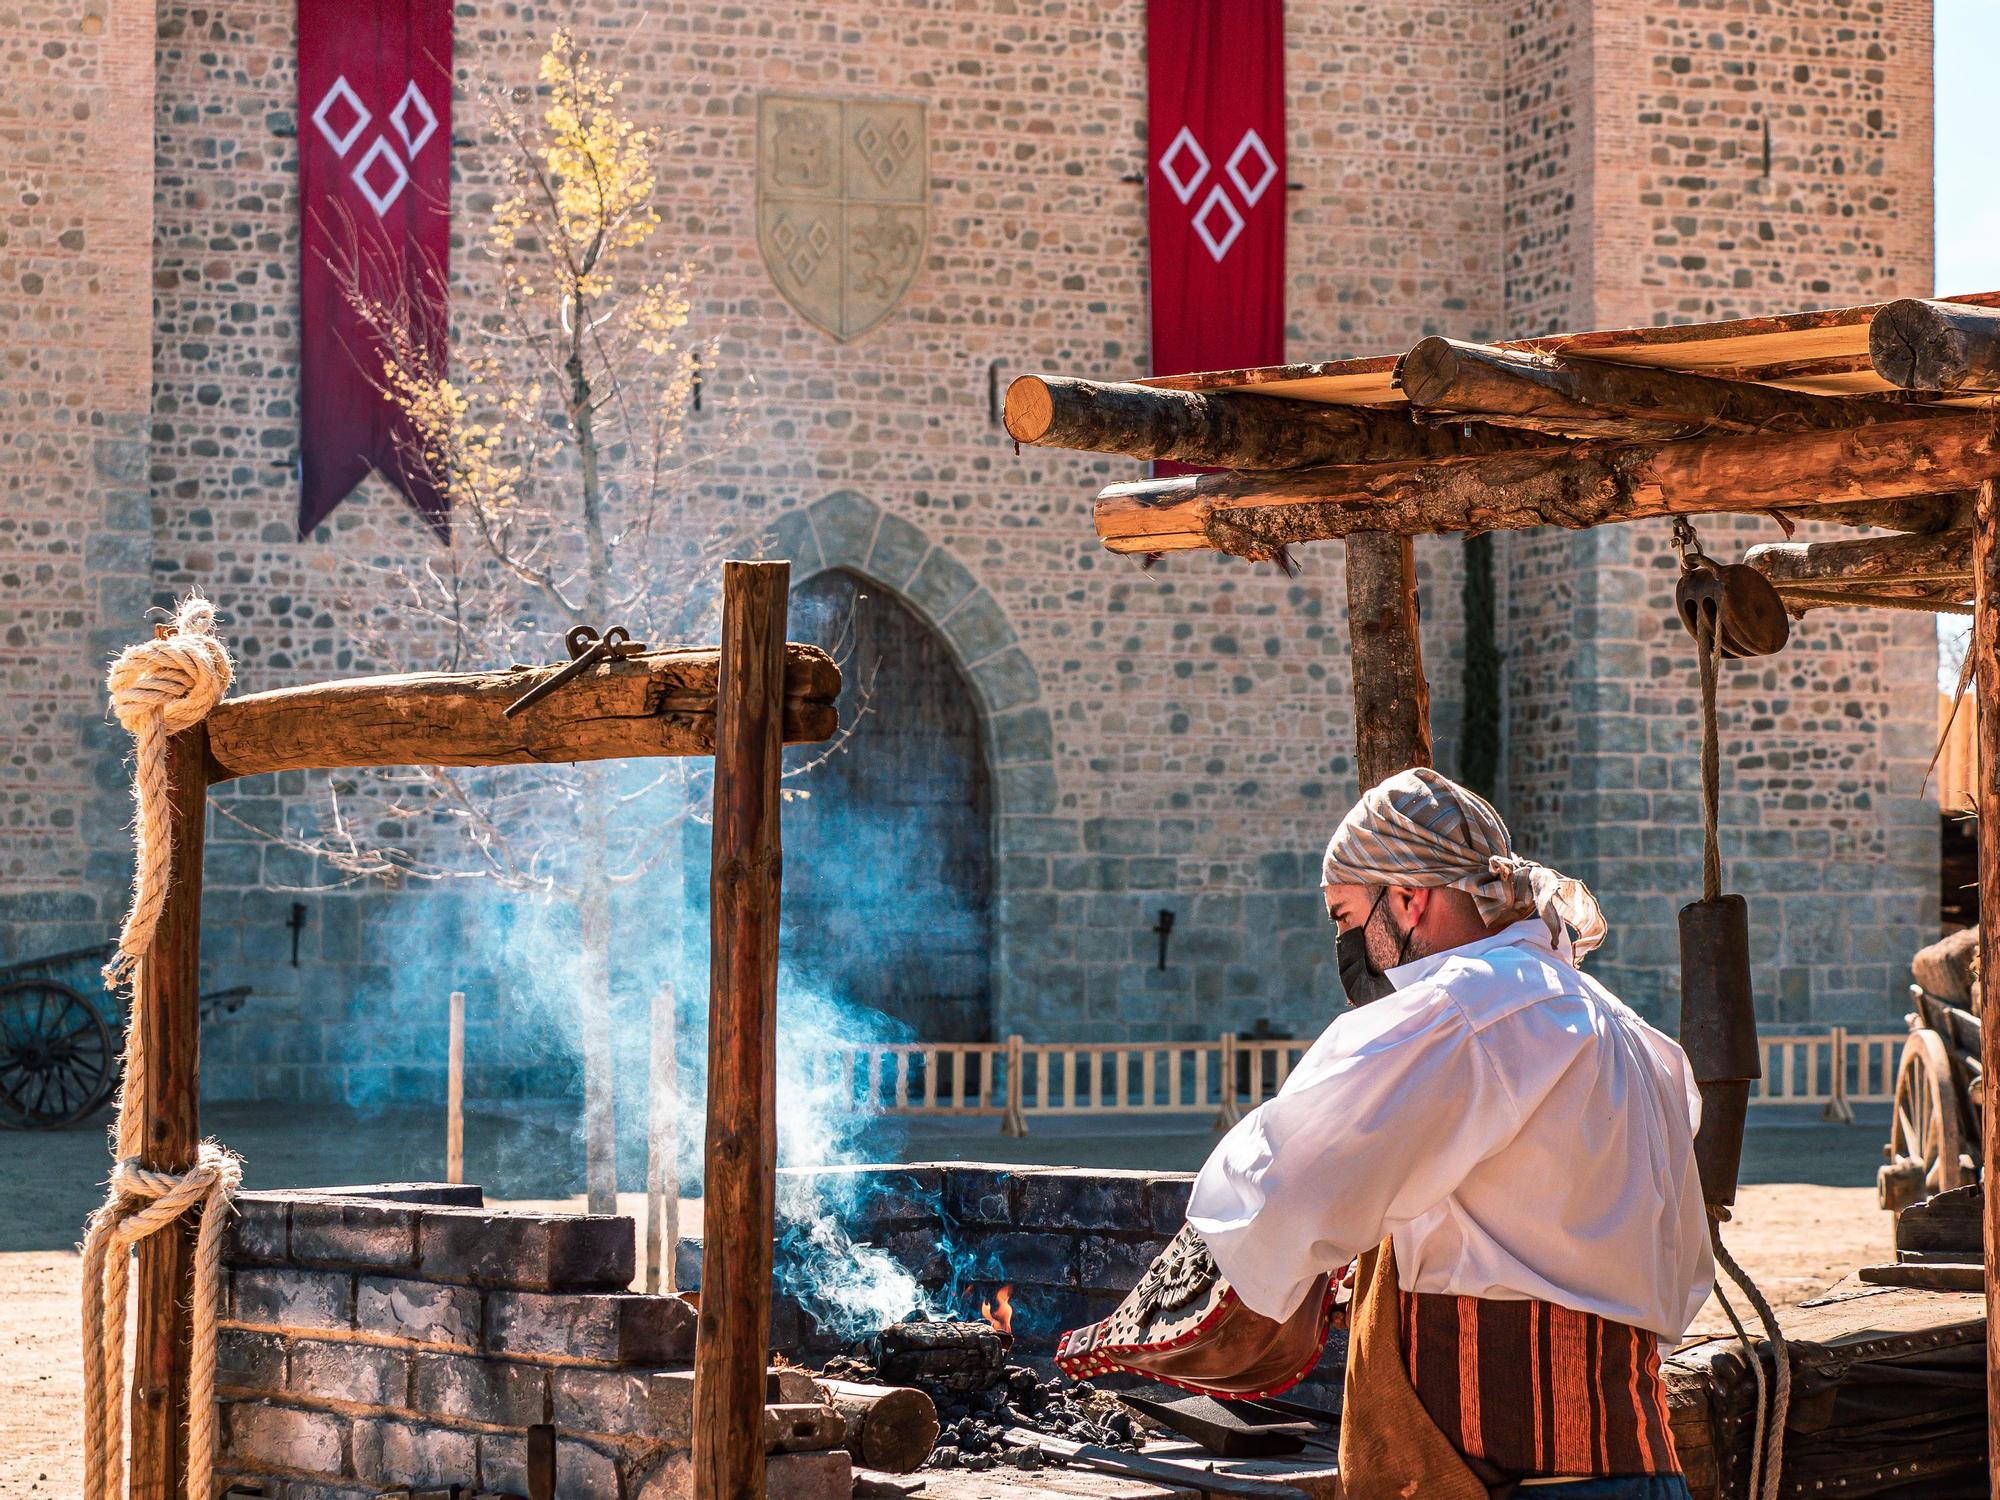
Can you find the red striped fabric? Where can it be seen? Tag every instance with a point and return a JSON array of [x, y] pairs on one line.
[[1536, 1389]]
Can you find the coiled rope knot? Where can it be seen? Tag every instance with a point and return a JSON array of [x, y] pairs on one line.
[[158, 688]]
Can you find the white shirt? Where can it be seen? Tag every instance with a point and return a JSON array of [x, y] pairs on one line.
[[1516, 1128]]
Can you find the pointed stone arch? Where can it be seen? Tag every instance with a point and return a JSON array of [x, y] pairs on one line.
[[848, 532]]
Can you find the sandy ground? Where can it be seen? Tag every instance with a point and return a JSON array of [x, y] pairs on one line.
[[1794, 1236]]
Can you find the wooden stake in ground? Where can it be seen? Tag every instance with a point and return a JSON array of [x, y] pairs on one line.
[[663, 1144], [166, 1007], [454, 1093], [1392, 701], [1986, 697], [733, 1332]]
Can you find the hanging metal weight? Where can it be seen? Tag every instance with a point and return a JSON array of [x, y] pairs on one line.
[[1719, 1034]]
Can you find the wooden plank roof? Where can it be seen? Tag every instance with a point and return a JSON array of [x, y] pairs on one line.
[[1824, 350]]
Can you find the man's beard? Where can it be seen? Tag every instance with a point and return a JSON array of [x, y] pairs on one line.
[[1367, 953]]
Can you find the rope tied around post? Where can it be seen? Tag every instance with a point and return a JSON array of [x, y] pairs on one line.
[[158, 689]]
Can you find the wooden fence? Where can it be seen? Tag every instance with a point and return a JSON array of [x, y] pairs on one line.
[[1016, 1080]]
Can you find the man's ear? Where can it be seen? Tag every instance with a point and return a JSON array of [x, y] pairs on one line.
[[1415, 903]]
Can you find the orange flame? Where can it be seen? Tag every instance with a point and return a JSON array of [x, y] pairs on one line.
[[999, 1313]]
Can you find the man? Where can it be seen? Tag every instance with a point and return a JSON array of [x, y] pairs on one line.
[[1517, 1142]]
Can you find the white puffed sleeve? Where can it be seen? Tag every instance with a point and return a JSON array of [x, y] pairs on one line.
[[1381, 1121]]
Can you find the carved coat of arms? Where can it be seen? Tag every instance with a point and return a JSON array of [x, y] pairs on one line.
[[843, 195]]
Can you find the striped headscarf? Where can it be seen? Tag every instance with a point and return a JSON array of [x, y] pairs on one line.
[[1420, 829]]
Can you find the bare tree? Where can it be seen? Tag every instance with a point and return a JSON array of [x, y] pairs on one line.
[[558, 436]]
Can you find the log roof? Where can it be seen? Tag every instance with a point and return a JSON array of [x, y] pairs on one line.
[[1879, 415], [1823, 350]]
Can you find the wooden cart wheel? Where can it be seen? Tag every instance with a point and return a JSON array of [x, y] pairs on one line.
[[1926, 1150], [58, 1060]]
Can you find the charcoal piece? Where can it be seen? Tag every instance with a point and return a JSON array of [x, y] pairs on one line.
[[949, 1359]]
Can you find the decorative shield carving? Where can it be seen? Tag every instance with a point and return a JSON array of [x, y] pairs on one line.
[[843, 205]]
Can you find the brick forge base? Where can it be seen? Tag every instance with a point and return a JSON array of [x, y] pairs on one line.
[[1071, 1242], [402, 1334]]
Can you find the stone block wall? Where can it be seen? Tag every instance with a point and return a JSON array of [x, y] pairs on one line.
[[1175, 740], [1172, 739], [1071, 1242], [76, 526], [405, 1335], [1695, 161]]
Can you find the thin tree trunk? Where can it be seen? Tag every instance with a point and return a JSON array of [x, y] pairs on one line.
[[593, 901], [600, 1115]]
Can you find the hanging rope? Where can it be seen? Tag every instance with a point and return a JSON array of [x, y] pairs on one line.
[[1769, 1441], [158, 688], [1709, 649], [1767, 1453]]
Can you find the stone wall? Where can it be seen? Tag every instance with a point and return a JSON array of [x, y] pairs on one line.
[[1170, 739], [404, 1335], [1745, 160], [76, 219], [1176, 739]]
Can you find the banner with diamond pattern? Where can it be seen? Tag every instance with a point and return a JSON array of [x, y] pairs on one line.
[[375, 216], [1215, 182]]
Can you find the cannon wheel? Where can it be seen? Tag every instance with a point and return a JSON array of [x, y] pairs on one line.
[[58, 1060], [1926, 1150]]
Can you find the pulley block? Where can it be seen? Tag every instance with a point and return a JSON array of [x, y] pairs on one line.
[[1749, 615]]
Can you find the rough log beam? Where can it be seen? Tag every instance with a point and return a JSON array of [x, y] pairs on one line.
[[1239, 430], [1878, 563], [1577, 486], [1934, 598], [1922, 345], [660, 703], [1593, 399]]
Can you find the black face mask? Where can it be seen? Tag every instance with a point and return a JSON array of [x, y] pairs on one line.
[[1359, 976]]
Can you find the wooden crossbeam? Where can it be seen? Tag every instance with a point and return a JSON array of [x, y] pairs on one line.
[[1856, 470], [1874, 562], [1585, 398], [657, 703], [1924, 345], [1237, 431]]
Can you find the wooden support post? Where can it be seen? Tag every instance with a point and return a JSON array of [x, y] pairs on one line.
[[1986, 698], [663, 1143], [166, 1007], [733, 1331], [454, 1093], [1392, 700]]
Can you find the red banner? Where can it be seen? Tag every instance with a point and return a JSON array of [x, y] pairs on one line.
[[375, 211], [1215, 186]]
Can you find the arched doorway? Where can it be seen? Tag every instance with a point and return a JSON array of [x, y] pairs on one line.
[[888, 884]]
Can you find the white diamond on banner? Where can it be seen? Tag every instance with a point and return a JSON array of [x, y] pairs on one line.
[[381, 202], [341, 90], [1184, 187], [1217, 199], [1251, 142], [413, 96]]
